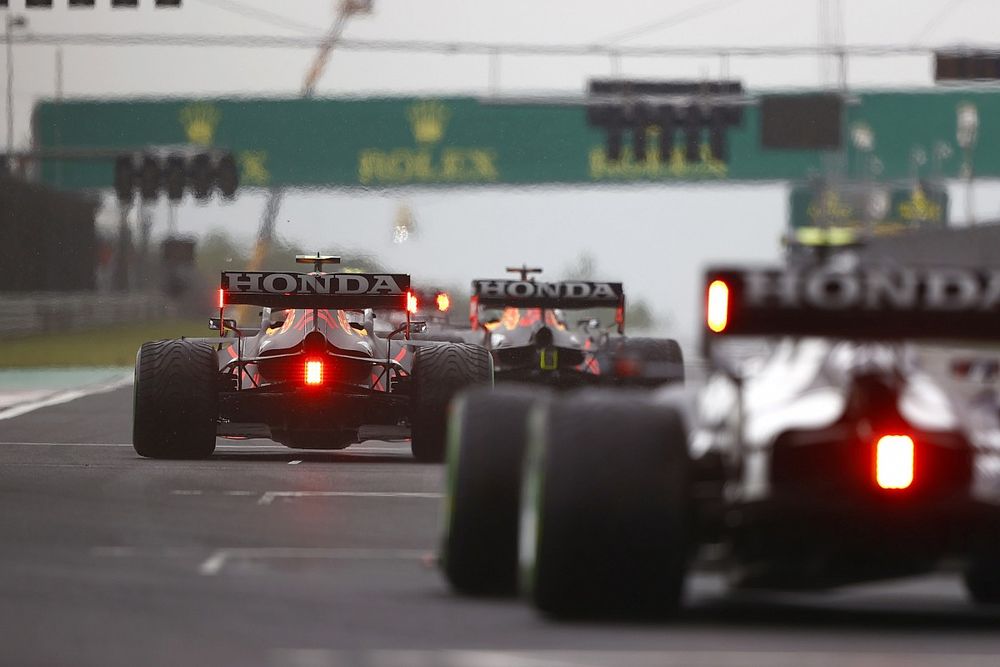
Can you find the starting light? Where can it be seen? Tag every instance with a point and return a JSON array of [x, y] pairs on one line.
[[894, 462], [718, 306], [314, 372], [443, 302], [411, 303]]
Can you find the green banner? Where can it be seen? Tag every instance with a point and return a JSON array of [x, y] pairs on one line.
[[460, 141], [824, 214]]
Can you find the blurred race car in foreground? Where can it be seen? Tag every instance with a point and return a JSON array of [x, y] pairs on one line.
[[313, 376], [523, 324], [833, 459]]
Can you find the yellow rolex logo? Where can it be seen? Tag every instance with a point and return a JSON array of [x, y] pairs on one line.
[[428, 120], [920, 207], [430, 161], [199, 121], [253, 167]]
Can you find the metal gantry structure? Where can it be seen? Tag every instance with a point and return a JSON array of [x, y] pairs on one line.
[[628, 116]]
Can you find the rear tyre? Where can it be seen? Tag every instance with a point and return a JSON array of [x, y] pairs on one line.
[[605, 523], [982, 580], [440, 371], [487, 435], [439, 336], [175, 400], [646, 362]]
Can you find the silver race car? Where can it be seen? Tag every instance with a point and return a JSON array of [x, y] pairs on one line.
[[313, 375], [818, 453]]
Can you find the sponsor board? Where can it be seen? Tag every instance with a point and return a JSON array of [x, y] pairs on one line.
[[529, 293], [876, 303], [316, 290]]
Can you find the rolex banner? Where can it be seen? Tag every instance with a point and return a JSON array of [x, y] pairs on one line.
[[462, 141]]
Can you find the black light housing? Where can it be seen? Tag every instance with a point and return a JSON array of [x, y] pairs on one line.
[[124, 178], [614, 144], [227, 176], [717, 133], [692, 134], [639, 138], [693, 107], [201, 176], [175, 177], [150, 175]]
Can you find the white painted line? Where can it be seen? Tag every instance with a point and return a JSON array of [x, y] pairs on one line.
[[269, 496], [211, 565], [273, 448], [239, 493], [313, 657], [66, 444], [82, 464], [9, 399], [218, 559], [148, 552], [294, 463], [235, 448], [185, 492], [65, 397]]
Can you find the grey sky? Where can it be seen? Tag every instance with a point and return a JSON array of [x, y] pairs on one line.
[[661, 234]]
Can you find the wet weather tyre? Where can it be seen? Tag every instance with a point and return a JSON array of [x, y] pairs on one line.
[[487, 434], [440, 371], [982, 581], [655, 361], [606, 520], [176, 400], [440, 337]]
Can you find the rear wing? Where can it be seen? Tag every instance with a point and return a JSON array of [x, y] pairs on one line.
[[337, 291], [867, 303], [570, 294]]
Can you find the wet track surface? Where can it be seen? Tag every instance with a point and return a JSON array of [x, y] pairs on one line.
[[268, 556]]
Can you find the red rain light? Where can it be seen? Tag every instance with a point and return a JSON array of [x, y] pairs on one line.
[[411, 303], [717, 314], [314, 372], [894, 462], [222, 298], [443, 302]]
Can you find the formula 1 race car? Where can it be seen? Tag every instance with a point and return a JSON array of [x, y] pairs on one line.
[[523, 324], [313, 376], [831, 458]]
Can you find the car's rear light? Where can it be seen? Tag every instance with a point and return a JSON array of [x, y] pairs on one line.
[[411, 303], [314, 372], [894, 456], [718, 306], [474, 312], [222, 298], [443, 302], [628, 368]]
